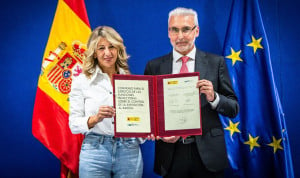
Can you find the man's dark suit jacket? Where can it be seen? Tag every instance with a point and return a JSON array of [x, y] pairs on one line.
[[211, 145]]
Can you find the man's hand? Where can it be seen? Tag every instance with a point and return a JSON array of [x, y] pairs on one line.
[[171, 139], [207, 88]]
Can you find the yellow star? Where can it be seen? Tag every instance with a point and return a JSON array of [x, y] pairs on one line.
[[233, 127], [276, 144], [234, 56], [252, 142], [255, 44]]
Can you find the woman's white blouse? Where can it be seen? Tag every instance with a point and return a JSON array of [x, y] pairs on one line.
[[86, 96]]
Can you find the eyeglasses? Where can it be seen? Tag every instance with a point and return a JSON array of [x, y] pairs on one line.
[[185, 30]]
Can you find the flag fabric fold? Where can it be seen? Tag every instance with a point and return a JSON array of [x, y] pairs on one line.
[[61, 63], [257, 139]]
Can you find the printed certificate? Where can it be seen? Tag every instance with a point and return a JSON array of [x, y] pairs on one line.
[[181, 103], [163, 105], [132, 104]]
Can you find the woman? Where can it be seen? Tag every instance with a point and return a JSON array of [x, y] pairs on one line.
[[91, 111]]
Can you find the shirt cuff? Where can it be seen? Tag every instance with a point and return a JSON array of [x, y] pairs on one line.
[[215, 103]]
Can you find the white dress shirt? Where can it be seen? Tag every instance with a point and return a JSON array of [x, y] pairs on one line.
[[177, 63], [86, 96]]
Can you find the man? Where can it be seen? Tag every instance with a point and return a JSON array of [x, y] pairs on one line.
[[195, 156]]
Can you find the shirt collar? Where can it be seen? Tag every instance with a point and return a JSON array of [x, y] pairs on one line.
[[191, 54], [99, 71]]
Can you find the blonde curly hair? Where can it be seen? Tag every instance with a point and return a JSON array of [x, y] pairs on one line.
[[108, 33]]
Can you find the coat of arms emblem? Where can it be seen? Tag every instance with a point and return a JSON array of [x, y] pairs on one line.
[[64, 63]]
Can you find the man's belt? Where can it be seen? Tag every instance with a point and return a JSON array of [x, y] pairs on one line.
[[187, 140]]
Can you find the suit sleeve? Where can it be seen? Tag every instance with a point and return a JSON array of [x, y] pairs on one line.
[[228, 105]]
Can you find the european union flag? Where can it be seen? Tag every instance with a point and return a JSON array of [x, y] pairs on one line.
[[257, 139]]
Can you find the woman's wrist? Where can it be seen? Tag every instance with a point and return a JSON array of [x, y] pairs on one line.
[[92, 121]]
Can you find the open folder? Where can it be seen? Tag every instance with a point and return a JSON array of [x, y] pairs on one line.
[[162, 105]]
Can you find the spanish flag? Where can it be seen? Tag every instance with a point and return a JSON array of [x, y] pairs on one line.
[[61, 63]]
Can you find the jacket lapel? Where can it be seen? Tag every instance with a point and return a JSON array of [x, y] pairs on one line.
[[166, 65], [201, 64]]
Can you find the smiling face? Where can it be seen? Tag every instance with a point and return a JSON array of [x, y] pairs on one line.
[[106, 55], [183, 42]]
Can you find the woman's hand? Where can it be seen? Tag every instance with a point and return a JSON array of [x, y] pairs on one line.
[[103, 112]]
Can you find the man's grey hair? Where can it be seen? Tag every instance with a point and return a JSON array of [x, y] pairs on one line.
[[184, 11]]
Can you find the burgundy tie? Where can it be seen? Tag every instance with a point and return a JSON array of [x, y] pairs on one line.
[[184, 68]]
